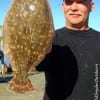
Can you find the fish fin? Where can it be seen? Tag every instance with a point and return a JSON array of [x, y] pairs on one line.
[[21, 86]]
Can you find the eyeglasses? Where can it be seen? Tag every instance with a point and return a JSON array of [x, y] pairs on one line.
[[67, 1]]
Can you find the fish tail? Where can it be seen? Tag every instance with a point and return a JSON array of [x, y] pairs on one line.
[[20, 85]]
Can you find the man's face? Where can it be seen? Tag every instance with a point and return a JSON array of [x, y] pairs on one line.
[[77, 11]]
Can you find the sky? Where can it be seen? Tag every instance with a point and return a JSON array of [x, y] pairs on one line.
[[57, 13]]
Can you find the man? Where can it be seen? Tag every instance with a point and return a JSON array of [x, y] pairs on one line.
[[73, 67], [2, 65]]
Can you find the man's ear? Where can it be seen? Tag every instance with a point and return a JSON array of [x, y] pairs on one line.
[[63, 6], [91, 6]]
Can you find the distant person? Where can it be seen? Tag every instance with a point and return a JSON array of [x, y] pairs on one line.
[[1, 57], [5, 65], [72, 68]]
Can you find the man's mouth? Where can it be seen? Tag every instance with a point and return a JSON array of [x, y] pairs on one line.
[[75, 15]]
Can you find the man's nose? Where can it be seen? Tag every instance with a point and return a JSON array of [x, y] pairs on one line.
[[74, 6]]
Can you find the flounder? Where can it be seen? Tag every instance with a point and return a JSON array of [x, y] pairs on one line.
[[28, 31]]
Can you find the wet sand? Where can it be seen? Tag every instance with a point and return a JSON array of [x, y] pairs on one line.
[[38, 81]]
